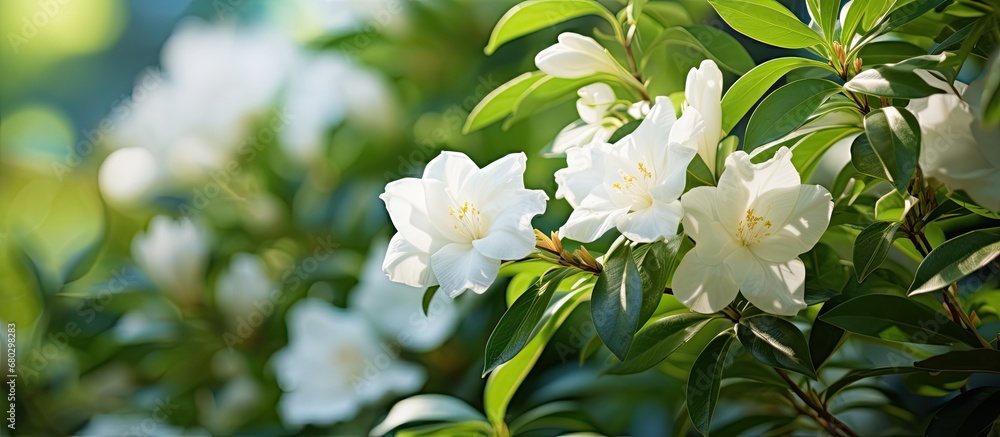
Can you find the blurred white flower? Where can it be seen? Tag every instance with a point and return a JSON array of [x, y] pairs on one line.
[[173, 254], [633, 185], [104, 425], [243, 287], [457, 222], [395, 308], [594, 126], [956, 148], [129, 175], [703, 93], [233, 406], [334, 365], [749, 232], [576, 56]]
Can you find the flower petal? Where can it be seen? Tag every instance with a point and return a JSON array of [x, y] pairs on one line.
[[511, 236], [674, 174], [502, 175], [803, 227], [460, 267], [406, 264], [586, 225], [703, 287], [658, 222], [776, 288], [452, 168], [742, 182], [594, 101], [407, 206], [701, 222]]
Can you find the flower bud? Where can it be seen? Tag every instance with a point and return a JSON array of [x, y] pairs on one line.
[[576, 56]]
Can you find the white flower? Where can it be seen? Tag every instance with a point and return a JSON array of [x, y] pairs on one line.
[[703, 93], [244, 287], [457, 222], [634, 184], [334, 365], [749, 232], [395, 309], [103, 425], [173, 254], [955, 147], [129, 175], [576, 56], [593, 105]]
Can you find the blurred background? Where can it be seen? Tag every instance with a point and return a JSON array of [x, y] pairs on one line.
[[191, 231]]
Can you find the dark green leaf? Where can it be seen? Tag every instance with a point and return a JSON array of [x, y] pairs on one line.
[[428, 297], [705, 379], [894, 136], [969, 414], [659, 339], [654, 261], [872, 246], [824, 338], [785, 110], [856, 375], [517, 326], [899, 80], [898, 319], [956, 259], [751, 86], [534, 15], [767, 21], [617, 301], [975, 360], [776, 342]]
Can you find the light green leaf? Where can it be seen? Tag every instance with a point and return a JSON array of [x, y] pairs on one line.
[[872, 246], [807, 152], [546, 93], [786, 109], [534, 15], [506, 378], [956, 259], [990, 99], [861, 17], [427, 408], [727, 146], [705, 379], [767, 21], [898, 319], [500, 102], [900, 80], [776, 342], [893, 206], [751, 86], [713, 43], [825, 13]]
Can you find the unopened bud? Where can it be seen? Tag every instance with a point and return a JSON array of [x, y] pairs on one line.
[[857, 65], [838, 51]]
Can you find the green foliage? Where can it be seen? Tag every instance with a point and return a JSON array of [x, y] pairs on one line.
[[534, 15], [898, 319], [751, 86], [775, 342], [872, 246], [660, 338], [705, 379], [786, 109], [767, 21], [713, 43], [956, 259], [618, 301], [969, 414], [893, 140]]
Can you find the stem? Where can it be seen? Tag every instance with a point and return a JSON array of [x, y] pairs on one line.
[[823, 417], [633, 68], [951, 298]]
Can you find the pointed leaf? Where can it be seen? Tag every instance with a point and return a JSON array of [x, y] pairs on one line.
[[617, 301], [767, 21], [534, 15], [969, 414], [500, 102], [898, 319], [894, 136], [956, 259], [976, 360], [872, 246], [659, 339], [425, 304], [705, 379], [751, 86], [786, 109], [776, 342]]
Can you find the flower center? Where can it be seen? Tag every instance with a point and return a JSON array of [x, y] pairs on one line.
[[348, 357], [469, 220], [753, 228], [636, 187]]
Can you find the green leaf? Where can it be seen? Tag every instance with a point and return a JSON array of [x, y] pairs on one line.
[[659, 339], [824, 338], [894, 138], [889, 52], [893, 206], [806, 154], [500, 102], [698, 174], [727, 146], [975, 360], [956, 259], [713, 43], [617, 301], [861, 17], [825, 13], [654, 261], [517, 325], [786, 109], [969, 414], [469, 428], [767, 21], [899, 80], [534, 15], [506, 378], [990, 98], [857, 375], [547, 92], [425, 304], [705, 379], [872, 246], [426, 408], [751, 86], [907, 13], [776, 342], [898, 319]]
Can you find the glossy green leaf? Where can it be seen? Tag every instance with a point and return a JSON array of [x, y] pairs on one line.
[[975, 360], [872, 246], [533, 15], [898, 319], [824, 338], [969, 414], [705, 379], [710, 42], [825, 13], [425, 303], [786, 109], [766, 21], [893, 206], [617, 301], [899, 80], [894, 139], [427, 408], [857, 375], [956, 259], [517, 325], [547, 92], [776, 342], [727, 146], [654, 261], [659, 339], [861, 17], [507, 377], [500, 102], [807, 153], [888, 52], [751, 86]]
